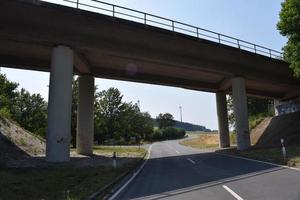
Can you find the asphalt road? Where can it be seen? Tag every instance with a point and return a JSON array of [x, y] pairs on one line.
[[176, 172]]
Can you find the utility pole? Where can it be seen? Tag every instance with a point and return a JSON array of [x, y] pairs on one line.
[[180, 109]]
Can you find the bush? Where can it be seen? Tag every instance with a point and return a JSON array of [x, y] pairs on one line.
[[4, 113], [168, 133], [255, 120], [157, 134]]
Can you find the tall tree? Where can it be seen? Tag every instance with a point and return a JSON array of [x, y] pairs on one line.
[[256, 108], [8, 95], [165, 120], [289, 25], [108, 107], [30, 111]]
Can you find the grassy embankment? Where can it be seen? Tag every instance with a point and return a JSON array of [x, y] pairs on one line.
[[273, 155], [203, 140], [63, 183]]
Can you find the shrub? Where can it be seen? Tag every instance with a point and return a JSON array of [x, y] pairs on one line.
[[4, 113], [168, 133], [157, 134]]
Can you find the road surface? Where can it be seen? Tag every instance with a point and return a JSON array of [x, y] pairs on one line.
[[177, 172]]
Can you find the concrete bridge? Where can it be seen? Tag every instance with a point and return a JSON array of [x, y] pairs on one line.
[[62, 40]]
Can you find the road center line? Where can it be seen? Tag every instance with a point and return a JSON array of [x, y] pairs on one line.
[[232, 192], [173, 148], [191, 160]]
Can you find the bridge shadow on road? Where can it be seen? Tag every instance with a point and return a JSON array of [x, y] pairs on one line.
[[169, 176]]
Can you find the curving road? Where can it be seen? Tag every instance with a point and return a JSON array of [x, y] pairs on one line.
[[176, 172]]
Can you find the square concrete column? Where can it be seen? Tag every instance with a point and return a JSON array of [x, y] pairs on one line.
[[85, 116], [222, 119], [59, 105], [241, 113]]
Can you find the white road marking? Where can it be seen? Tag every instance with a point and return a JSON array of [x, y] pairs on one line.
[[133, 176], [191, 160], [232, 192], [173, 148], [259, 161]]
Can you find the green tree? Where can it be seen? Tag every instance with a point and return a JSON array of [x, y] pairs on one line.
[[257, 108], [165, 120], [108, 107], [135, 123], [30, 111], [118, 120], [289, 26], [146, 125], [8, 95]]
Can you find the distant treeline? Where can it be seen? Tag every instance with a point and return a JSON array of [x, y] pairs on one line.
[[115, 121], [186, 126]]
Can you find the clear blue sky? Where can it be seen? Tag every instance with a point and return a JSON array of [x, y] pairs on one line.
[[254, 21]]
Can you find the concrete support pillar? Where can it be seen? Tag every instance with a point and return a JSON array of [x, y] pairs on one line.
[[59, 105], [241, 113], [222, 119], [276, 103], [85, 116]]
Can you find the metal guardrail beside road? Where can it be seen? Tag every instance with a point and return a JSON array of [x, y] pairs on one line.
[[171, 25]]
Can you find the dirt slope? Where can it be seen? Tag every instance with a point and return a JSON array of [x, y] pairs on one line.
[[17, 143]]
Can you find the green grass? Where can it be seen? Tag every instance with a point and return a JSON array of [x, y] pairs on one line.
[[207, 141], [63, 183], [203, 141], [255, 120], [133, 151], [273, 155], [22, 142], [55, 184], [200, 132]]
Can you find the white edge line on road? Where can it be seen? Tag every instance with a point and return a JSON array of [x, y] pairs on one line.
[[259, 161], [232, 192], [132, 177], [191, 160]]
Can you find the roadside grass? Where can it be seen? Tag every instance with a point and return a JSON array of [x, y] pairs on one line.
[[120, 150], [273, 155], [200, 132], [206, 141], [62, 183], [56, 184], [203, 141]]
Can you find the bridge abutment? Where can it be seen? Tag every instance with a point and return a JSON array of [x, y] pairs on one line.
[[241, 113], [85, 116], [222, 112], [59, 105]]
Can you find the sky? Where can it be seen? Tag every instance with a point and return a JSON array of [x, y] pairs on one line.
[[254, 21]]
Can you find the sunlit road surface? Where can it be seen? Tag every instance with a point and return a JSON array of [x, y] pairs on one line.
[[174, 171]]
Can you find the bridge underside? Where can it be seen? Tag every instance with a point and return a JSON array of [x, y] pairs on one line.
[[63, 40], [119, 49]]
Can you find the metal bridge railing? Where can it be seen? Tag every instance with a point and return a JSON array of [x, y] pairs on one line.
[[168, 24]]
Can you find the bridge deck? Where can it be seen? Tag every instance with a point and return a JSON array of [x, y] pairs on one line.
[[115, 48]]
